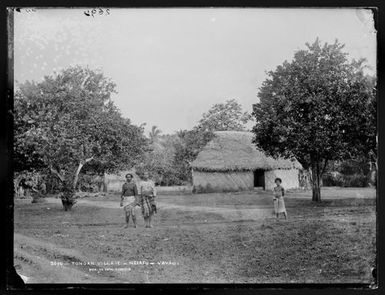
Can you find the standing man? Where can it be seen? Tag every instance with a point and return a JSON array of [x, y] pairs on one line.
[[129, 199]]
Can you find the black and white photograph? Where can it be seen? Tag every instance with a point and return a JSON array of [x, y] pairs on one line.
[[194, 145]]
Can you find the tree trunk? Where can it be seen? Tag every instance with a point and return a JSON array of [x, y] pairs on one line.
[[316, 182], [76, 176], [67, 196], [68, 192], [104, 182], [70, 182]]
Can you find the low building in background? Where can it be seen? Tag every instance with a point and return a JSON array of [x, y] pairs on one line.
[[231, 162]]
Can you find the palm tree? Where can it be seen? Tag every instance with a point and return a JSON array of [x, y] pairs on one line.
[[154, 133]]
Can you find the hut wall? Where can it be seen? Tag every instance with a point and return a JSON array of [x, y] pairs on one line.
[[290, 178], [222, 181]]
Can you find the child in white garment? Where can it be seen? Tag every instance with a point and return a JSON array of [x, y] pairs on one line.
[[279, 202]]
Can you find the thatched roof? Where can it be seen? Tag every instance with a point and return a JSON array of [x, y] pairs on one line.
[[234, 151]]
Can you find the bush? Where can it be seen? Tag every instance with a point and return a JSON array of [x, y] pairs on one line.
[[199, 189], [208, 188], [90, 183], [333, 179], [161, 175], [53, 184], [337, 179], [29, 183], [355, 180]]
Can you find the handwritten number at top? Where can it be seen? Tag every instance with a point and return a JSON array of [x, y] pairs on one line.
[[28, 10], [94, 11]]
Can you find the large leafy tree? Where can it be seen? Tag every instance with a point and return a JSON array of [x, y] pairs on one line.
[[317, 108], [187, 148], [169, 157], [227, 116], [159, 161], [68, 121]]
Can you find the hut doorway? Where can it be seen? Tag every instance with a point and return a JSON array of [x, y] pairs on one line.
[[259, 178]]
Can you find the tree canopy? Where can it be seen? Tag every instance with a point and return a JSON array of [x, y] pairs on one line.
[[316, 108], [159, 161], [69, 120], [227, 116]]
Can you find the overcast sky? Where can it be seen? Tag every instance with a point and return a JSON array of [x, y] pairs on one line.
[[171, 65]]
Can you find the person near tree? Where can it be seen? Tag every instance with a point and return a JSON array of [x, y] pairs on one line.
[[129, 199], [279, 203], [147, 193]]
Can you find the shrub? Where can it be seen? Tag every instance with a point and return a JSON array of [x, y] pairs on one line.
[[199, 189], [333, 179], [90, 183], [337, 179], [355, 180], [29, 183]]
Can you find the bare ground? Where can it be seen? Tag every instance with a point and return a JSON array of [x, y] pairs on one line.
[[220, 238]]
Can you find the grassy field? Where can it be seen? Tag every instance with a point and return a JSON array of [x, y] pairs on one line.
[[207, 238]]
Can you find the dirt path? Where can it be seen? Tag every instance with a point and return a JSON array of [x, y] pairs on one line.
[[206, 250], [37, 261], [32, 262]]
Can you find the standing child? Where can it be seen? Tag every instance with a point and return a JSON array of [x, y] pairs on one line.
[[279, 203]]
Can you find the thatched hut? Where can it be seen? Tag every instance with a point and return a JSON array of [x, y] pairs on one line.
[[231, 162]]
